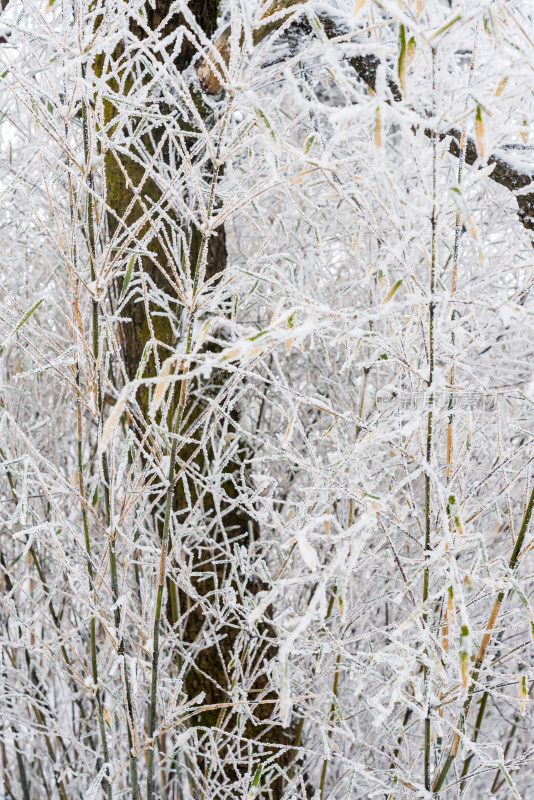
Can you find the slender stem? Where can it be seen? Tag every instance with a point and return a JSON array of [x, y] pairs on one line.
[[38, 687], [455, 252], [496, 782], [22, 770], [18, 755], [170, 487], [162, 572], [478, 724], [87, 541], [300, 726], [454, 284], [105, 470], [482, 650], [165, 541], [332, 711], [92, 623], [429, 432]]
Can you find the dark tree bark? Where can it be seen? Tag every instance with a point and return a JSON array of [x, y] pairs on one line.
[[213, 667]]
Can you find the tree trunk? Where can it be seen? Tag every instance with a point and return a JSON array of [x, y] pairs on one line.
[[215, 668]]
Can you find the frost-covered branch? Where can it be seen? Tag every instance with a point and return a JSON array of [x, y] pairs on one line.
[[296, 21]]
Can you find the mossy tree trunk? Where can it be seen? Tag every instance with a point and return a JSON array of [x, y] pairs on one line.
[[216, 667]]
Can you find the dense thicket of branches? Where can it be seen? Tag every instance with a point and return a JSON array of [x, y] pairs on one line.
[[266, 399]]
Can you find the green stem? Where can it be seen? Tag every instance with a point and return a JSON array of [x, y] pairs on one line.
[[332, 712], [18, 755], [429, 432], [512, 566], [87, 541], [92, 623], [161, 582], [105, 471], [478, 725], [22, 771], [170, 491]]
